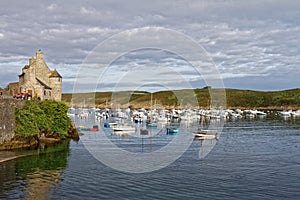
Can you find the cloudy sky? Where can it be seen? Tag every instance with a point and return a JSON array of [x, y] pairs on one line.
[[253, 44]]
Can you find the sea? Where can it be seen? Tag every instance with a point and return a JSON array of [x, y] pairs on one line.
[[256, 158]]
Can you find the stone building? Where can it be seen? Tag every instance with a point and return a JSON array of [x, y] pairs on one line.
[[38, 80]]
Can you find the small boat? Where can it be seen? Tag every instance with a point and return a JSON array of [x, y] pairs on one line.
[[83, 128], [143, 131], [106, 125], [296, 113], [171, 131], [205, 135], [261, 113], [285, 113], [123, 128], [95, 128], [121, 133], [109, 125]]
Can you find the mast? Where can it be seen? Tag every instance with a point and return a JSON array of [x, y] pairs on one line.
[[151, 108], [151, 122]]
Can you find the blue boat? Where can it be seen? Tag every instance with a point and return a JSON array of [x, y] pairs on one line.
[[109, 125], [172, 131], [106, 125]]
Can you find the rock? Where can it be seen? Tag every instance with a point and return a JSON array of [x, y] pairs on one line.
[[20, 142], [73, 132]]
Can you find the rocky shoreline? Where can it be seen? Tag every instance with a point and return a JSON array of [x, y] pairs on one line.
[[42, 141]]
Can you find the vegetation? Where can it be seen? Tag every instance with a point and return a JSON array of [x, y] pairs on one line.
[[171, 99], [37, 117], [248, 98]]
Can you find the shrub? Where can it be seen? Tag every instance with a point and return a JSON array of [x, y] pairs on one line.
[[35, 116]]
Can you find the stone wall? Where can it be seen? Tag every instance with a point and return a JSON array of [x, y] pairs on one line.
[[13, 88], [7, 118], [4, 92]]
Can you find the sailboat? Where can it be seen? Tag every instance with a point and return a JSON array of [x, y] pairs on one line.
[[150, 122]]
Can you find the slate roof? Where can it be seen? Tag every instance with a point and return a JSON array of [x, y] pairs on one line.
[[43, 84], [54, 73]]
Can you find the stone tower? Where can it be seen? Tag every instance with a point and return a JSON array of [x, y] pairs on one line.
[[56, 84]]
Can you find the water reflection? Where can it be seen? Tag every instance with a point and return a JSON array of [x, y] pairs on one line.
[[205, 147], [32, 176]]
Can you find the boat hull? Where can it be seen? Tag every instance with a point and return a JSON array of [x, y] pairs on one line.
[[201, 135]]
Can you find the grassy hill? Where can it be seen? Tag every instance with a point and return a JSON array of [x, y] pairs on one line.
[[286, 99]]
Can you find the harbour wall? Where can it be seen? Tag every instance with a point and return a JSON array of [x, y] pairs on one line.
[[7, 118]]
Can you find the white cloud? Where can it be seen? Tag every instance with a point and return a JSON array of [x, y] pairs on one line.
[[87, 11], [52, 7]]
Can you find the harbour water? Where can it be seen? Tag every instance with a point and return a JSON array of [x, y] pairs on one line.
[[252, 159]]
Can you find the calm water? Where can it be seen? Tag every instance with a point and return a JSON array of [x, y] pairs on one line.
[[253, 159]]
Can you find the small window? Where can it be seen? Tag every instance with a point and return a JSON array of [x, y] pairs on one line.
[[45, 92]]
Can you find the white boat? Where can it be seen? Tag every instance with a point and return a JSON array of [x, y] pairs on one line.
[[260, 113], [124, 128], [205, 134], [295, 113], [122, 133], [285, 113], [235, 115]]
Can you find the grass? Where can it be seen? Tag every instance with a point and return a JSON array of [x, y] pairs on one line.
[[192, 98]]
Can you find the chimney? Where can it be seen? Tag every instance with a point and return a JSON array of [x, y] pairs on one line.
[[39, 55]]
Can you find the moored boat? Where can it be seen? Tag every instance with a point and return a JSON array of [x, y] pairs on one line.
[[205, 135], [172, 131], [143, 131], [95, 128], [296, 113], [285, 113], [83, 128], [123, 128], [261, 113], [109, 125]]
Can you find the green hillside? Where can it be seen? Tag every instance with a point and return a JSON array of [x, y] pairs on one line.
[[187, 98]]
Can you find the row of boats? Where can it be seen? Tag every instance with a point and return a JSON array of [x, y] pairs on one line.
[[151, 117]]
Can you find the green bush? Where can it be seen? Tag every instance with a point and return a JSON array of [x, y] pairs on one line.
[[50, 116]]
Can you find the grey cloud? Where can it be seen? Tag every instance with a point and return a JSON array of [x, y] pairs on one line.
[[246, 39]]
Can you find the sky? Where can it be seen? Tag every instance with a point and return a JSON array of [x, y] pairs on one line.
[[143, 44]]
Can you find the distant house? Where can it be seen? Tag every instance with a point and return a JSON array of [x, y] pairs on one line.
[[38, 80]]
